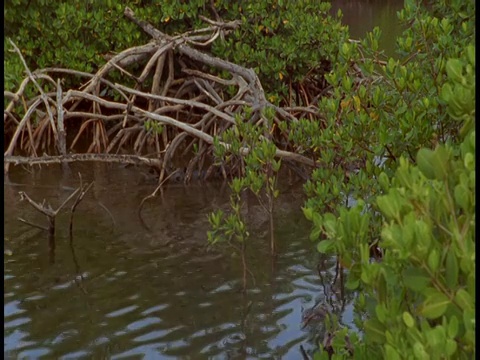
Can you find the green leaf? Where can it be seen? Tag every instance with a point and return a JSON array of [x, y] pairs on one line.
[[315, 234], [452, 329], [416, 279], [321, 355], [382, 286], [433, 260], [352, 283], [408, 319], [308, 213], [424, 162], [375, 331], [435, 305], [469, 161], [454, 70], [461, 194], [440, 162], [450, 347], [391, 353], [464, 300], [423, 234], [384, 181], [324, 246], [451, 270], [419, 351], [446, 92], [471, 54], [391, 65], [388, 206], [329, 223], [381, 312]]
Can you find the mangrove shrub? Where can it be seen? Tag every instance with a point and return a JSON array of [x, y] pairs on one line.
[[412, 196]]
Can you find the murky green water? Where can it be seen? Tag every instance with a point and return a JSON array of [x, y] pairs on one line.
[[362, 16], [120, 291]]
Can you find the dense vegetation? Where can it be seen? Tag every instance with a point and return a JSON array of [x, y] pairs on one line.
[[395, 146], [418, 206], [272, 39], [409, 122]]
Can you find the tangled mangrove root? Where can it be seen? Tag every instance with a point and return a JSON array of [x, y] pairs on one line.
[[174, 101]]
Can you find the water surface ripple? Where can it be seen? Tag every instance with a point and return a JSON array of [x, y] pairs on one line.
[[120, 291]]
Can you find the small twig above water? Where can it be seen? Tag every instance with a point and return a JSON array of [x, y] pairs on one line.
[[51, 214], [47, 210], [32, 224], [77, 201], [152, 195], [304, 353], [109, 213]]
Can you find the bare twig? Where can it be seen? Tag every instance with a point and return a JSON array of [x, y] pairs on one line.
[[109, 213], [123, 59], [62, 142], [32, 78], [152, 195], [20, 126], [48, 211], [304, 353], [32, 224], [79, 198]]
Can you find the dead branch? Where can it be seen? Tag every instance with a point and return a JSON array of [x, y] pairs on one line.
[[152, 195], [32, 224], [47, 211], [125, 58], [32, 78], [62, 142], [81, 194], [179, 101], [109, 214], [46, 159]]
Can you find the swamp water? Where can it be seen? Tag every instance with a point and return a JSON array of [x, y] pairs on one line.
[[118, 290], [362, 16]]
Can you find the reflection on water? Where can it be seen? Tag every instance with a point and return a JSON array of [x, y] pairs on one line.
[[120, 291], [362, 16]]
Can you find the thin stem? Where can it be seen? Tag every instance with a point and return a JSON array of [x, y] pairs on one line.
[[244, 264]]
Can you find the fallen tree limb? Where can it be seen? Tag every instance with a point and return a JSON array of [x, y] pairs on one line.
[[46, 159]]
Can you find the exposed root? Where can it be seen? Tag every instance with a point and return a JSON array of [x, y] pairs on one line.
[[174, 99]]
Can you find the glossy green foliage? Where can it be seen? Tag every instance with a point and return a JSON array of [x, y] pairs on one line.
[[418, 300], [229, 228], [394, 106], [73, 34], [281, 40], [153, 126], [255, 154], [81, 34]]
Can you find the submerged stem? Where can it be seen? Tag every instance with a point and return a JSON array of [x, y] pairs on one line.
[[244, 263]]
